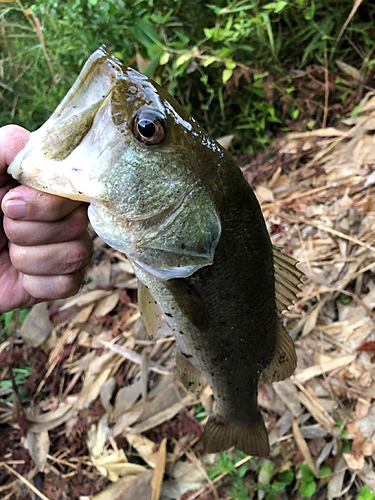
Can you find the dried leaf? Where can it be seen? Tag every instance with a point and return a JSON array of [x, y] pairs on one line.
[[354, 462], [157, 478], [335, 485], [37, 326], [225, 140], [264, 194], [106, 304], [368, 346], [323, 367], [312, 317], [145, 447], [85, 298], [303, 448], [50, 420], [288, 393], [362, 407], [38, 446], [116, 490], [106, 392], [111, 463]]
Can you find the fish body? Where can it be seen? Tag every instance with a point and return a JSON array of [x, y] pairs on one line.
[[171, 198]]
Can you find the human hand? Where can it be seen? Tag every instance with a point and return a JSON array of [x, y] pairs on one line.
[[44, 242]]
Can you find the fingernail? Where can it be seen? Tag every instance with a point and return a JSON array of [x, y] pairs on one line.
[[15, 209]]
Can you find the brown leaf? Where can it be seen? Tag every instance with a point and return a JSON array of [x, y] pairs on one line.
[[368, 346], [362, 407], [38, 446], [302, 446], [37, 326], [157, 479]]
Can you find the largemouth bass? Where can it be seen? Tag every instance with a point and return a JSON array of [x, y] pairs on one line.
[[174, 201]]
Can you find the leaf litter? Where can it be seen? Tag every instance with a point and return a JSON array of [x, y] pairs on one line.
[[102, 414]]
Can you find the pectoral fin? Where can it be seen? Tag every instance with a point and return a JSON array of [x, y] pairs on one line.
[[150, 310], [287, 279], [284, 360], [189, 376], [189, 301]]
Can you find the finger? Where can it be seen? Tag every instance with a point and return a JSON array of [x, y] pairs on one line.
[[25, 203], [53, 287], [29, 233], [53, 259], [12, 139]]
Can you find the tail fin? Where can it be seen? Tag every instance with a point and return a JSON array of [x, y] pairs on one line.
[[220, 434]]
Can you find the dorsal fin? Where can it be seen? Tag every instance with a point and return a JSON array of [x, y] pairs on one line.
[[287, 279]]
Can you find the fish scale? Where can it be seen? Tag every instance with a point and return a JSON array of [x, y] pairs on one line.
[[175, 202]]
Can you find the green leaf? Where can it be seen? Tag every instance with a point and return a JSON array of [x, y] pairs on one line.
[[276, 7], [208, 61], [309, 14], [161, 19], [183, 59], [345, 447], [307, 473], [146, 34], [365, 493], [324, 470], [230, 64], [209, 32], [260, 75], [242, 471], [227, 73], [164, 58], [286, 477], [307, 489], [153, 64]]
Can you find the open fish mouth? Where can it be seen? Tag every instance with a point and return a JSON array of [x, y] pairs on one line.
[[51, 161]]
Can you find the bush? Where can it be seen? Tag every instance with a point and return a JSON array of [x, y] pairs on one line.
[[238, 67]]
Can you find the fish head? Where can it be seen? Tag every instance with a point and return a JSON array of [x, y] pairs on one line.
[[150, 173]]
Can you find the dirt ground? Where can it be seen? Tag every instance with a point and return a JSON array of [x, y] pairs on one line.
[[91, 407]]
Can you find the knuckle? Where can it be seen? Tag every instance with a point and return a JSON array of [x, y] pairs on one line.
[[78, 256], [52, 287], [68, 284], [18, 257]]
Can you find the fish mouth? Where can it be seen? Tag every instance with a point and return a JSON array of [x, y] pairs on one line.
[[51, 161]]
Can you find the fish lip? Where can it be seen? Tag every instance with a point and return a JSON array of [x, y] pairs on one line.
[[96, 81], [87, 75]]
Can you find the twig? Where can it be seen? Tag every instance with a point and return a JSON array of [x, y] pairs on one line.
[[339, 139], [356, 5], [25, 481], [326, 89], [339, 234]]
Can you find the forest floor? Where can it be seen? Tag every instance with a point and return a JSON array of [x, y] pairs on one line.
[[90, 405]]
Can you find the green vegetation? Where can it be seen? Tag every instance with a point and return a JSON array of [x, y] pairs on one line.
[[248, 68], [10, 321], [365, 493], [227, 465], [248, 476]]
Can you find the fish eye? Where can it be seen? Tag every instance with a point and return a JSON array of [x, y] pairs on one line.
[[148, 128]]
